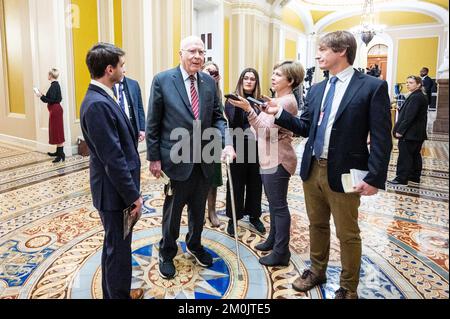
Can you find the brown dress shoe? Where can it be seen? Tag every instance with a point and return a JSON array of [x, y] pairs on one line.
[[343, 293], [307, 281], [137, 293]]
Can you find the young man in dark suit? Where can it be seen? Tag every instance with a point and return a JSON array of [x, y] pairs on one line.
[[340, 113], [129, 96], [184, 99], [427, 83], [114, 166]]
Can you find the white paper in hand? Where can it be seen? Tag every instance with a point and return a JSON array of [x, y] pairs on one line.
[[352, 179]]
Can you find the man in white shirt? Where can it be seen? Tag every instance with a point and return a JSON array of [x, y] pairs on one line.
[[339, 115]]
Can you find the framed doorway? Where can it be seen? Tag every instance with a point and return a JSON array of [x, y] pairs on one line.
[[378, 54]]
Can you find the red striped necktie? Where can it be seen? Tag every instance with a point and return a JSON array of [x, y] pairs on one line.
[[194, 97]]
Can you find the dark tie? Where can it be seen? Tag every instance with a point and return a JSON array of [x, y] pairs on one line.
[[325, 114], [121, 97], [194, 97]]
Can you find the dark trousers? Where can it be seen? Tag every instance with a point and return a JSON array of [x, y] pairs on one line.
[[276, 189], [247, 185], [116, 257], [247, 188], [192, 192], [409, 163]]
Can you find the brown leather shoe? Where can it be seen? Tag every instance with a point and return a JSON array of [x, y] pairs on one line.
[[343, 293], [137, 293], [307, 281]]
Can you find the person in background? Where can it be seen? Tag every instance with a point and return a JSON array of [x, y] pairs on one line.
[[427, 83], [411, 131], [53, 99], [128, 93], [276, 166], [212, 69], [114, 167], [247, 185]]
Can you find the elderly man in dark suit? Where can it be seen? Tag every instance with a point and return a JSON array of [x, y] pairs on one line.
[[340, 113], [128, 94], [183, 103], [114, 166]]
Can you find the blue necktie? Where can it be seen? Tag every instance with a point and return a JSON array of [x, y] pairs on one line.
[[320, 135], [121, 96]]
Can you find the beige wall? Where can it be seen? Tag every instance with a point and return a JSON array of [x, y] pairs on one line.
[[256, 36]]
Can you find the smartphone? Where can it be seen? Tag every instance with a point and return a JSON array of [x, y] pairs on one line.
[[36, 90], [213, 73], [257, 102], [232, 96]]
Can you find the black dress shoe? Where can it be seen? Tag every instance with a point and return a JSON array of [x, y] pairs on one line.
[[166, 268], [202, 257], [415, 180], [230, 228], [274, 259], [259, 226], [52, 154], [396, 181], [265, 246]]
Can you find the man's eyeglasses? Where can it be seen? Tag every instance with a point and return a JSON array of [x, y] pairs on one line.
[[193, 52]]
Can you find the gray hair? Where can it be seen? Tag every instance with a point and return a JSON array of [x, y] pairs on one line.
[[190, 40]]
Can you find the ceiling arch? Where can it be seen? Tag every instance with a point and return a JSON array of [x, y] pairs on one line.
[[433, 10]]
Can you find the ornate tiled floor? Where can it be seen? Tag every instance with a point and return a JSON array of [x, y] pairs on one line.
[[51, 238]]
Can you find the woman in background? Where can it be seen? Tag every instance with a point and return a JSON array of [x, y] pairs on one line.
[[411, 131], [247, 185], [276, 167], [53, 99], [212, 69]]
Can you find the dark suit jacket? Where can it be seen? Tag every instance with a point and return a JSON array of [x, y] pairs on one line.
[[114, 160], [365, 108], [428, 86], [169, 108], [412, 119], [134, 97]]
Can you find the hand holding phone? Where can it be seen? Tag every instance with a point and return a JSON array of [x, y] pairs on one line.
[[258, 103], [232, 96], [36, 91]]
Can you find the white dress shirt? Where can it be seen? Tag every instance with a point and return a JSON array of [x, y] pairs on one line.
[[187, 83], [344, 78]]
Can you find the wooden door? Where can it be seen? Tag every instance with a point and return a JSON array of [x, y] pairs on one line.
[[381, 60]]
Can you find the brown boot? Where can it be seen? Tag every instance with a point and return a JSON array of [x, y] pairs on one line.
[[343, 293], [137, 293], [212, 216], [307, 281]]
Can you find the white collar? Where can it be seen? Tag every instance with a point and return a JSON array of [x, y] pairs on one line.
[[345, 74], [185, 74], [108, 90]]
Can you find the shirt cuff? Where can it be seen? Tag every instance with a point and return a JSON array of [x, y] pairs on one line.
[[280, 110]]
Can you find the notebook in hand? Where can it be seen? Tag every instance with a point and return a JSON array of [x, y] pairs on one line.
[[128, 220], [352, 179]]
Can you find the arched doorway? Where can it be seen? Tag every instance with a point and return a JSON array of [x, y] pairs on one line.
[[378, 54]]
